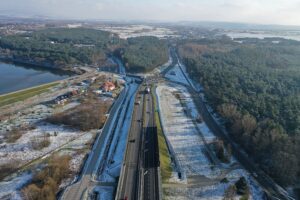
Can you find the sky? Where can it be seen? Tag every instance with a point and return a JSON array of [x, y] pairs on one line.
[[284, 12]]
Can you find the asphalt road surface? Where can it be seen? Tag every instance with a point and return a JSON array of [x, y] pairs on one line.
[[139, 177], [151, 157], [129, 180]]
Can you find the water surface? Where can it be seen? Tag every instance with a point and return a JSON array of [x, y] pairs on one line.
[[15, 77]]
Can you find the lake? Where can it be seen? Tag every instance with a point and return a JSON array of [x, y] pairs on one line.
[[15, 77], [290, 35]]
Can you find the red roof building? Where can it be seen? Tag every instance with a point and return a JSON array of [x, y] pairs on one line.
[[108, 86]]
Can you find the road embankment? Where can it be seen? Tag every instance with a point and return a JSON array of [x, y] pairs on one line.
[[24, 94]]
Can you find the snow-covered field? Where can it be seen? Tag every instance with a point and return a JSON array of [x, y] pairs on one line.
[[22, 149], [10, 189], [22, 152], [178, 120], [176, 75], [138, 30], [182, 134], [27, 116]]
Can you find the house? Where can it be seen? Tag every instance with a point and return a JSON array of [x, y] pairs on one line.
[[63, 98], [108, 86]]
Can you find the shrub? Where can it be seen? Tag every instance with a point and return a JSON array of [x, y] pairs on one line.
[[220, 151], [39, 143], [31, 192], [224, 180], [230, 193], [8, 168], [13, 135], [242, 187], [45, 183], [88, 115]]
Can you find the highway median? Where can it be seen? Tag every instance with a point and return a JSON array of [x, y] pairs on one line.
[[164, 156]]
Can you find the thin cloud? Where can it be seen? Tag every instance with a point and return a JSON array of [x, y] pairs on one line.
[[250, 11]]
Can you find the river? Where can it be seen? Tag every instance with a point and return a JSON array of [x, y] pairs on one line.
[[15, 77]]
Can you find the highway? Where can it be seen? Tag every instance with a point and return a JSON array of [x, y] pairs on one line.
[[151, 153], [128, 182], [139, 175], [272, 190]]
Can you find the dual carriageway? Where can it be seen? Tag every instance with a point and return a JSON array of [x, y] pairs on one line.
[[139, 175]]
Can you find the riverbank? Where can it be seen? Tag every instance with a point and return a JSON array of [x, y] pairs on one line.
[[21, 95], [67, 70], [16, 76]]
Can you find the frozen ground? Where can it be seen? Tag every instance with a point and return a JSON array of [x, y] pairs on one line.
[[179, 74], [178, 120], [22, 149], [27, 116], [182, 134], [33, 114], [176, 75], [10, 189]]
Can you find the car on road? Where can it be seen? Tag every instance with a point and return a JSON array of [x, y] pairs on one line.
[[132, 140]]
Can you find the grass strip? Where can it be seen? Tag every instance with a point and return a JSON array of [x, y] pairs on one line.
[[164, 156], [24, 94]]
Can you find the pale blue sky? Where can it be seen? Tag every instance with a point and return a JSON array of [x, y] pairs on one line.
[[251, 11]]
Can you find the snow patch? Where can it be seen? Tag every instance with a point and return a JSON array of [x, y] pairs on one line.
[[176, 75], [22, 149], [182, 135], [11, 188], [104, 192]]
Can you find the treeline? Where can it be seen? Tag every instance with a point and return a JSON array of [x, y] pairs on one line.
[[255, 86], [62, 47], [59, 47], [142, 54]]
